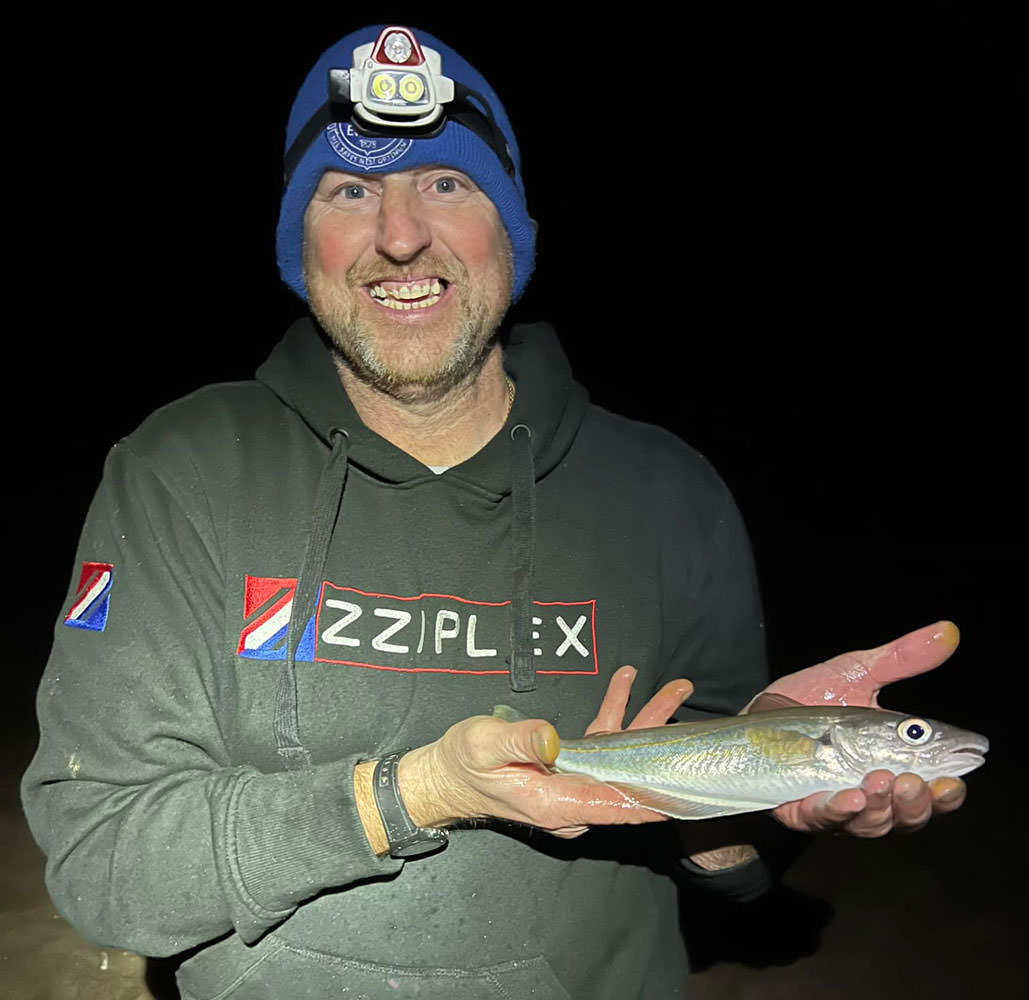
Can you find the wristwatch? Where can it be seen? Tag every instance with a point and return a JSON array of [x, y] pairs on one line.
[[405, 839]]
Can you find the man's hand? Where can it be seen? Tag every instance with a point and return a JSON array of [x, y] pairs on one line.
[[883, 802], [486, 767]]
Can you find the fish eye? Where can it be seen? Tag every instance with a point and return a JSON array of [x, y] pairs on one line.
[[916, 732]]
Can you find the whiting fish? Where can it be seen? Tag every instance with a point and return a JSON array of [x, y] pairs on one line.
[[697, 770]]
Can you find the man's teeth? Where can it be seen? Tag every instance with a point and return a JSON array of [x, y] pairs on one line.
[[408, 295]]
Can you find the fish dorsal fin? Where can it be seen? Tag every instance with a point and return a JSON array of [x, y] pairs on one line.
[[681, 807], [771, 702], [508, 714]]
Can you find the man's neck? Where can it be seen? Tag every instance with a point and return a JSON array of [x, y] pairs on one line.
[[442, 432]]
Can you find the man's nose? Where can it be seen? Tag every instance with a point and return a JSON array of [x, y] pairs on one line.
[[402, 231]]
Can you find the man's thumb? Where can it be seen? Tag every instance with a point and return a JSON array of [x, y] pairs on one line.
[[532, 742]]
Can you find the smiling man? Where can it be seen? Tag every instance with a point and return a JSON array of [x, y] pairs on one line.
[[305, 592], [409, 274]]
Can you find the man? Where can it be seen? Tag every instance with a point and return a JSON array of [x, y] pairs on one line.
[[285, 584]]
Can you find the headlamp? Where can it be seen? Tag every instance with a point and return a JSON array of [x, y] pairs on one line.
[[394, 83], [396, 87]]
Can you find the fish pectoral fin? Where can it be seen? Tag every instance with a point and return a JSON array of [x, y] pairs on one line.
[[682, 807], [783, 747]]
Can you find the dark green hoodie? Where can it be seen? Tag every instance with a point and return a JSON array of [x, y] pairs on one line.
[[193, 785]]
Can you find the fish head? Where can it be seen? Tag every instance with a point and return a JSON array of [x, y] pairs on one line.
[[873, 740]]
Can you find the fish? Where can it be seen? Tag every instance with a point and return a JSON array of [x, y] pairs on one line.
[[746, 763]]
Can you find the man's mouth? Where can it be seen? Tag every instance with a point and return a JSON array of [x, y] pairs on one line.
[[406, 295]]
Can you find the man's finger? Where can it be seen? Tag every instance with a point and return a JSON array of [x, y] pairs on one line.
[[611, 713], [876, 817], [663, 705], [912, 803], [911, 654], [948, 794], [856, 678], [821, 811], [830, 811], [493, 744]]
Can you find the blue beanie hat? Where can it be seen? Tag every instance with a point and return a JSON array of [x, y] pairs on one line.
[[337, 147]]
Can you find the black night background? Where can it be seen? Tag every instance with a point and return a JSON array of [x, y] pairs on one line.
[[794, 238]]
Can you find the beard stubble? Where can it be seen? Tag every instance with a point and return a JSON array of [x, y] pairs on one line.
[[359, 329]]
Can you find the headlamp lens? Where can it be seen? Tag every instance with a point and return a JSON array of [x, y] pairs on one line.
[[412, 87], [388, 86], [397, 47], [383, 86]]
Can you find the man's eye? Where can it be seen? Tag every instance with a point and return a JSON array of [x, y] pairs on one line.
[[445, 185], [351, 192]]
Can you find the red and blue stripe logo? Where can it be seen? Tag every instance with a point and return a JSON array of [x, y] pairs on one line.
[[267, 607], [92, 597]]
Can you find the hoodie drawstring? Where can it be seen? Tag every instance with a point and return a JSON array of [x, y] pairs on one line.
[[523, 550], [328, 498]]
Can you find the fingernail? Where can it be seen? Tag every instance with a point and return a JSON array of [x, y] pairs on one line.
[[546, 744], [629, 673], [947, 634], [950, 795], [849, 811], [683, 692]]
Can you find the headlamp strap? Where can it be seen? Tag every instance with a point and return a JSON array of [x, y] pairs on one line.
[[316, 124], [480, 120], [339, 109]]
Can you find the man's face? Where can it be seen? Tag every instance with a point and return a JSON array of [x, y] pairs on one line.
[[409, 274]]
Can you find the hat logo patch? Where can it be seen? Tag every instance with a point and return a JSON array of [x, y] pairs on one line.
[[363, 151]]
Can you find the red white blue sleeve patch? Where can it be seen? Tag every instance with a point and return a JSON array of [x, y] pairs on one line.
[[92, 597]]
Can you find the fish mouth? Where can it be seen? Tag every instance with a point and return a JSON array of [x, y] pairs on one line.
[[973, 743], [967, 758], [957, 766]]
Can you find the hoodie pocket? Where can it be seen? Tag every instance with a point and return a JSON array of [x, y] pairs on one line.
[[287, 971]]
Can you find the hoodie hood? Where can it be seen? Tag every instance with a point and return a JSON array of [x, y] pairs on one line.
[[301, 372]]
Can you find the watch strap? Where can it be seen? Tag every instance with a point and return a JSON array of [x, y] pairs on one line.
[[406, 840]]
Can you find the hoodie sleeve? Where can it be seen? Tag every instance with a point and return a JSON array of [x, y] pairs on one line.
[[156, 840]]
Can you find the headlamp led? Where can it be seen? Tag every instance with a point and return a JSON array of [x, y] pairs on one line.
[[396, 87]]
